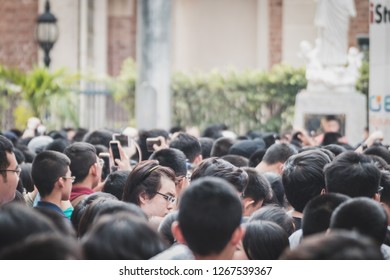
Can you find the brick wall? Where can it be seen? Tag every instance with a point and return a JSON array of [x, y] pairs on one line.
[[275, 31], [17, 29], [359, 24], [121, 40]]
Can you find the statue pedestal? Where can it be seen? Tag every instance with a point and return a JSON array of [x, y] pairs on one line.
[[350, 106]]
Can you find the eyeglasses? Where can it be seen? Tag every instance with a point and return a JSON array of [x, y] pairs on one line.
[[72, 178], [17, 170], [168, 198]]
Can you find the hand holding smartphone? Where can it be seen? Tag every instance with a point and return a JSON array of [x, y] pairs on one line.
[[150, 143], [106, 167], [114, 146]]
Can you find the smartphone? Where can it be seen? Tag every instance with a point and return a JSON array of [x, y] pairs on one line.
[[150, 142], [114, 146], [106, 168], [122, 138]]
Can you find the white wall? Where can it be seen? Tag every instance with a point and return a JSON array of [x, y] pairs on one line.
[[298, 25], [218, 33]]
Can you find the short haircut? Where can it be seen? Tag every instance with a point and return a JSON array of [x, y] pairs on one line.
[[209, 212], [264, 240], [337, 245], [165, 227], [145, 178], [275, 214], [206, 144], [172, 158], [279, 152], [352, 174], [5, 147], [217, 167], [335, 149], [17, 222], [303, 177], [46, 168], [378, 150], [277, 187], [133, 239], [115, 183], [221, 146], [236, 160], [363, 215], [258, 187], [317, 213], [98, 137], [188, 144], [82, 156]]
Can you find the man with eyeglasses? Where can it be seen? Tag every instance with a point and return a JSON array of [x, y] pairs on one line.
[[86, 167], [52, 177], [9, 171]]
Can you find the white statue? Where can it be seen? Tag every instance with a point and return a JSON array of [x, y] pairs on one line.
[[332, 18], [330, 65]]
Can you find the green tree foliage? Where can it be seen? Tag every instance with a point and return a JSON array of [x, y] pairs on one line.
[[42, 94], [245, 100]]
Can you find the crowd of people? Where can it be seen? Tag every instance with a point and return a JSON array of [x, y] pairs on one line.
[[215, 195]]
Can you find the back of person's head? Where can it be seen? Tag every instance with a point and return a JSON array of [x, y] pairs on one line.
[[275, 214], [256, 157], [264, 240], [335, 149], [18, 221], [145, 179], [98, 137], [82, 156], [63, 226], [79, 134], [221, 146], [258, 187], [25, 177], [279, 152], [210, 211], [133, 239], [165, 227], [236, 160], [246, 148], [43, 247], [206, 143], [144, 134], [317, 212], [216, 167], [57, 145], [214, 131], [173, 158], [303, 177], [363, 215], [188, 144], [100, 207], [47, 168], [82, 206], [337, 245], [115, 183], [378, 150], [276, 183], [352, 174]]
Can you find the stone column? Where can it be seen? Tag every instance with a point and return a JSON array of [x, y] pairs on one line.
[[153, 106]]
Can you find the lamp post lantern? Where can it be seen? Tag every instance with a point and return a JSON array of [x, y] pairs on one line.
[[46, 32]]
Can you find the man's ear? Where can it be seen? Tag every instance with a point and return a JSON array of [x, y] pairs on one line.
[[93, 169], [377, 197], [176, 232], [237, 235], [323, 191], [198, 159]]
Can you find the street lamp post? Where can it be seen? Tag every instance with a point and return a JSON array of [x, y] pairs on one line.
[[46, 32]]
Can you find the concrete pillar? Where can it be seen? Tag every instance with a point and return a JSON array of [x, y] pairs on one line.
[[153, 108]]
